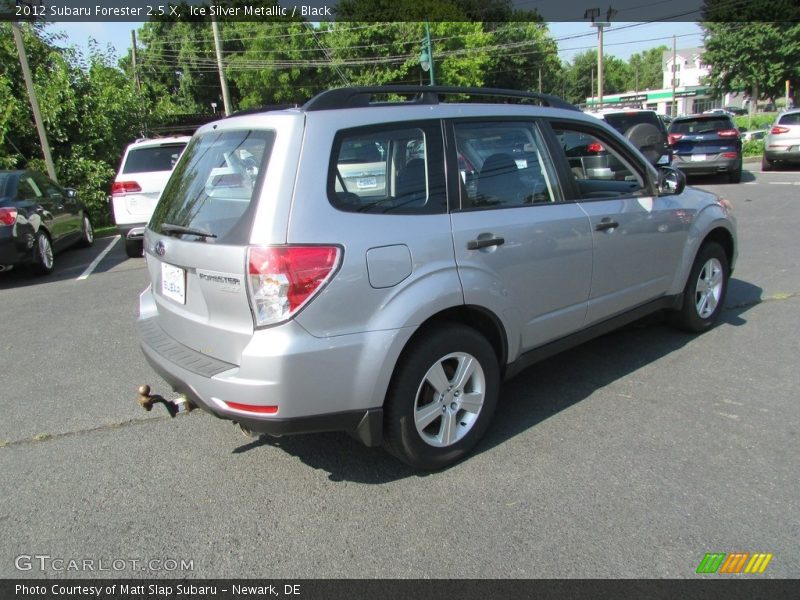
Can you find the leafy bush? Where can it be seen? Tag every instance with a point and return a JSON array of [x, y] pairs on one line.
[[759, 121], [753, 148]]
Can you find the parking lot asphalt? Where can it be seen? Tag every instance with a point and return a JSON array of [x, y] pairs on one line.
[[630, 456]]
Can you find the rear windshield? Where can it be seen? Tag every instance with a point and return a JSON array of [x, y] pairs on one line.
[[212, 187], [622, 122], [790, 119], [153, 158], [701, 125]]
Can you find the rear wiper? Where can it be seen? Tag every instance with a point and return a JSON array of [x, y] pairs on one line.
[[170, 229]]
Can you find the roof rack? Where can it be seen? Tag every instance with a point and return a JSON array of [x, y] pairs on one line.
[[359, 97]]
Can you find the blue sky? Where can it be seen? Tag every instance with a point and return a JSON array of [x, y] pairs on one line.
[[621, 40]]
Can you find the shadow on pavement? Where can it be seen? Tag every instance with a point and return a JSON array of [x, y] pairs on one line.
[[538, 393]]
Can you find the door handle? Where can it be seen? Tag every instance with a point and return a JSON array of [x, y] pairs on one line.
[[485, 242], [606, 224]]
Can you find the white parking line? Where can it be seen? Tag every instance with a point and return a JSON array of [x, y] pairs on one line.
[[779, 182], [97, 260]]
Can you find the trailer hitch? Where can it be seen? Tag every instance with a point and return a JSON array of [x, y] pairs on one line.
[[148, 400]]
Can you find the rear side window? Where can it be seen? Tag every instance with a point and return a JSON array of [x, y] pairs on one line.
[[152, 159], [705, 125], [790, 119], [213, 187], [397, 168]]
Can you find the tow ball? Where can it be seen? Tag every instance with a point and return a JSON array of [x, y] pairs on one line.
[[148, 400]]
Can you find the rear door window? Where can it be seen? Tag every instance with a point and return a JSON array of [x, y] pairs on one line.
[[152, 158], [213, 188]]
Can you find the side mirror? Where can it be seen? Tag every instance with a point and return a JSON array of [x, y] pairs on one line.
[[71, 193], [670, 181], [742, 129]]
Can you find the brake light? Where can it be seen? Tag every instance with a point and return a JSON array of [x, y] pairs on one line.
[[124, 187], [282, 279], [778, 129], [595, 147], [728, 133], [729, 155], [8, 216], [673, 137]]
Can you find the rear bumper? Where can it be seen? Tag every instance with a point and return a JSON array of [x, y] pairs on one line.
[[317, 384], [783, 153], [707, 167], [132, 231], [16, 247]]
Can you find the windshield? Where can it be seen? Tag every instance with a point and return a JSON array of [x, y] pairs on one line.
[[212, 188], [153, 158]]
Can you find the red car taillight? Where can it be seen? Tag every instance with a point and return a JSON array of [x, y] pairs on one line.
[[673, 137], [729, 155], [124, 187], [282, 279], [595, 147], [8, 216], [728, 133], [778, 129]]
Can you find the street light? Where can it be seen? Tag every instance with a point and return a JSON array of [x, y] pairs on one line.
[[214, 107], [426, 54]]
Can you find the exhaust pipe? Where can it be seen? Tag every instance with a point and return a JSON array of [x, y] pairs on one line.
[[147, 401]]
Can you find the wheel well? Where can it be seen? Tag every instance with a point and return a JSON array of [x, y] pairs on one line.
[[721, 236], [479, 319]]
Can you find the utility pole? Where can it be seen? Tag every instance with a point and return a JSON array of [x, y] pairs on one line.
[[540, 80], [37, 115], [591, 86], [674, 110], [592, 14], [133, 61], [226, 97]]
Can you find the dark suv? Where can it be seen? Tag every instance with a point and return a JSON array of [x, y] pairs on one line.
[[642, 128], [707, 145]]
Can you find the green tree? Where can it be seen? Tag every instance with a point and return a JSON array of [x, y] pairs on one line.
[[756, 58], [646, 69], [616, 74]]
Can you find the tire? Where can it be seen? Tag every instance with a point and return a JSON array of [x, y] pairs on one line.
[[704, 294], [425, 382], [134, 248], [766, 164], [735, 176], [43, 255], [87, 236]]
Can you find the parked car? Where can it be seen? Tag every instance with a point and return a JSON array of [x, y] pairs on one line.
[[289, 302], [756, 134], [719, 111], [143, 173], [707, 145], [37, 219], [643, 128], [782, 143]]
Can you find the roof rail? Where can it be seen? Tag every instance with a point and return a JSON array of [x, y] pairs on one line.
[[359, 97]]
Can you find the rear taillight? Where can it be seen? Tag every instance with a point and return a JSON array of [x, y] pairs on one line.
[[728, 133], [778, 129], [282, 279], [595, 147], [673, 137], [253, 408], [729, 155], [8, 216], [124, 187]]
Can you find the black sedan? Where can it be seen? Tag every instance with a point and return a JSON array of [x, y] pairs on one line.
[[37, 219]]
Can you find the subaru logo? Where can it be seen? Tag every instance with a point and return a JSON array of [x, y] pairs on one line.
[[159, 248]]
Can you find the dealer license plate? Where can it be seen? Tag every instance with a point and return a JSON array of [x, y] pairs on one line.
[[173, 283], [698, 157]]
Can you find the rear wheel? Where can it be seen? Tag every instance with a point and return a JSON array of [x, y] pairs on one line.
[[705, 290], [134, 248], [735, 176], [87, 237], [766, 164], [44, 261], [442, 397]]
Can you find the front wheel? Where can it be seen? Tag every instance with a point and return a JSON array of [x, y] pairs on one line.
[[442, 397], [766, 164], [705, 290]]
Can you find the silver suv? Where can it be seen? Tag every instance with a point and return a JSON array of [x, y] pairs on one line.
[[378, 266]]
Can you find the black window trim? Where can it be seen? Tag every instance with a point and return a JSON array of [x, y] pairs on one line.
[[434, 147], [453, 178]]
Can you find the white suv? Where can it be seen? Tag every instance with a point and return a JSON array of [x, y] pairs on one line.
[[145, 169]]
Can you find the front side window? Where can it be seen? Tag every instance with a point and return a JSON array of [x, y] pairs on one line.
[[599, 167], [213, 188], [502, 165], [388, 169]]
